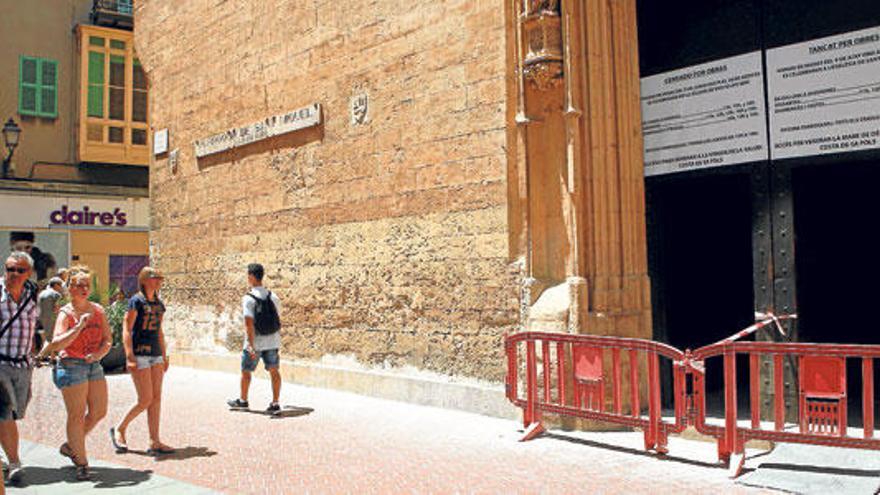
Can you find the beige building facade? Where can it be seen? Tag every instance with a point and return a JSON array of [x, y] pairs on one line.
[[399, 229], [421, 181], [83, 196], [37, 29], [385, 237]]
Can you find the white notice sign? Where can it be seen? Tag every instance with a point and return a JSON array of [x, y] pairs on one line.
[[708, 115], [160, 141], [825, 95]]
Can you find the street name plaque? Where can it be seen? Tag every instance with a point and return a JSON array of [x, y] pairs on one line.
[[269, 127]]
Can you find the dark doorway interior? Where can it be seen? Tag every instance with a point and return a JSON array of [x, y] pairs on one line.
[[700, 223], [836, 207], [700, 244]]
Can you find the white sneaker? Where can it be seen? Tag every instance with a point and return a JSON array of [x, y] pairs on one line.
[[15, 472]]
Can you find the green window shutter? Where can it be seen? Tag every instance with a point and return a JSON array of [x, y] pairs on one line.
[[96, 68], [27, 85], [95, 99], [48, 88], [29, 70], [38, 87]]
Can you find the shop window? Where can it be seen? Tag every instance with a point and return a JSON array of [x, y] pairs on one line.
[[124, 271], [114, 113], [38, 87]]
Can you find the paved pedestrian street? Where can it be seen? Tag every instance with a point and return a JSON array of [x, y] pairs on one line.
[[335, 442], [47, 472]]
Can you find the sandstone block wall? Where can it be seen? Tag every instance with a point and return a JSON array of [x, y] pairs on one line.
[[386, 241]]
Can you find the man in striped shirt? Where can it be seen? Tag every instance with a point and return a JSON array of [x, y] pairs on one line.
[[17, 297]]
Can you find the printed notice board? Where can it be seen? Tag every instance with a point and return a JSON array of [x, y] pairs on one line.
[[824, 95], [709, 115]]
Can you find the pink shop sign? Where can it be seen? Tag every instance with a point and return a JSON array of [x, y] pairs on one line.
[[84, 216]]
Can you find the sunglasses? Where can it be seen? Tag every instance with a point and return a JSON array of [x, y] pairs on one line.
[[16, 269], [81, 286]]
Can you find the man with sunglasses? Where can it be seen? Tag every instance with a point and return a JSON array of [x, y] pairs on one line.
[[18, 317]]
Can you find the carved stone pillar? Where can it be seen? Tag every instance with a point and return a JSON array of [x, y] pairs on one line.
[[558, 291], [616, 240], [580, 169]]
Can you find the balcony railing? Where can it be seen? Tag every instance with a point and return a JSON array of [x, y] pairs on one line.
[[113, 13]]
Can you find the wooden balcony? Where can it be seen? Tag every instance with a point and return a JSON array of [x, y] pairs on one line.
[[117, 14]]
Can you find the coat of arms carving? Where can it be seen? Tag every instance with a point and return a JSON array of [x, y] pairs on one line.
[[360, 109]]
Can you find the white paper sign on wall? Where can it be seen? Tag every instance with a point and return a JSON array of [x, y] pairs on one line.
[[708, 115], [824, 95], [160, 141]]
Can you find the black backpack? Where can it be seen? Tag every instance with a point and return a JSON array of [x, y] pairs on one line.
[[266, 321]]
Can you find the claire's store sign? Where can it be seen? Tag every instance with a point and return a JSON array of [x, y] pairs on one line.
[[275, 125], [85, 216], [72, 212]]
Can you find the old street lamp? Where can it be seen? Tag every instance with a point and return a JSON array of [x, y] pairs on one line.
[[11, 133]]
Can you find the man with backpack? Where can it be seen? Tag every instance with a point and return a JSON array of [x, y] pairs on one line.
[[18, 317], [262, 325]]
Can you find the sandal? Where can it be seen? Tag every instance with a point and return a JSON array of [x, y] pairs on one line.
[[83, 473], [82, 469], [66, 451], [120, 447], [161, 450]]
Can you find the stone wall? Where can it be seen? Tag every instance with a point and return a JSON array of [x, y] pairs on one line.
[[386, 241]]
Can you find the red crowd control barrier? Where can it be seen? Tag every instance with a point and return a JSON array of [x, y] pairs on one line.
[[821, 399], [573, 375], [571, 380]]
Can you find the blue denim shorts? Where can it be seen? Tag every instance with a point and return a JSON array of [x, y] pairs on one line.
[[71, 371], [270, 360], [144, 362]]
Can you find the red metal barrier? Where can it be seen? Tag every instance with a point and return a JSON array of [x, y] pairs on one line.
[[821, 400], [574, 377], [576, 372]]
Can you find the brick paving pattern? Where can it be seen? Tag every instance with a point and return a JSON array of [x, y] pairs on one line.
[[349, 443], [46, 472]]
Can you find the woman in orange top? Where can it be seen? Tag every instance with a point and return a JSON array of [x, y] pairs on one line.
[[82, 337]]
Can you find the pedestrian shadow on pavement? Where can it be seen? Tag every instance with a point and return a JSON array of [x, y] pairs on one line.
[[179, 454], [286, 412], [102, 477], [629, 450]]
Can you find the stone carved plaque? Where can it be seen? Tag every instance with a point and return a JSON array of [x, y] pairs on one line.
[[275, 125], [360, 109]]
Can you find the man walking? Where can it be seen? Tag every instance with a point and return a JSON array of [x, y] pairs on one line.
[[48, 303], [18, 317], [262, 326], [44, 264]]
